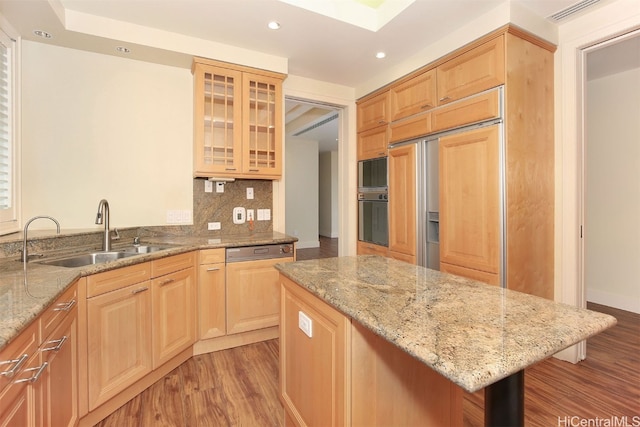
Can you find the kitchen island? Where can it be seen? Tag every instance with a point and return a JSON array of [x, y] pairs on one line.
[[471, 334]]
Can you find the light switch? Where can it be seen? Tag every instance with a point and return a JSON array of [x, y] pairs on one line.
[[208, 187], [249, 193], [305, 323]]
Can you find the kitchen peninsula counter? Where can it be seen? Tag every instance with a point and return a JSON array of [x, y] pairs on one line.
[[473, 334]]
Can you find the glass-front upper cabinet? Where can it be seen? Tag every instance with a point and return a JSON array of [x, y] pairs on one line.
[[262, 129], [238, 121]]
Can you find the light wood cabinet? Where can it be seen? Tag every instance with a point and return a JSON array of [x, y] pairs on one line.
[[402, 202], [366, 248], [314, 383], [211, 294], [416, 95], [373, 112], [473, 109], [478, 69], [118, 341], [253, 295], [412, 127], [335, 372], [372, 143], [469, 200], [237, 121], [173, 293], [39, 386]]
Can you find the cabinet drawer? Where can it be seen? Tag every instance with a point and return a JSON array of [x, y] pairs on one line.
[[212, 256], [482, 107], [54, 315], [173, 263], [14, 357], [412, 127], [116, 279]]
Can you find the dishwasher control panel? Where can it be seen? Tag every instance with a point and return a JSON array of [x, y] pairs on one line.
[[253, 253]]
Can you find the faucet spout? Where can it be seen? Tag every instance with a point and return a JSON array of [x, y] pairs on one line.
[[25, 255], [102, 217]]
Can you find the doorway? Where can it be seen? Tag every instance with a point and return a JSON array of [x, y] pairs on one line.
[[611, 173], [311, 172]]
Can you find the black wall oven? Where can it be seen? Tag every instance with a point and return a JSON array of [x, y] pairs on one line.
[[373, 222]]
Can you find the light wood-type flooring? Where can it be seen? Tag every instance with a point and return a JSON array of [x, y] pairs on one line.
[[239, 387]]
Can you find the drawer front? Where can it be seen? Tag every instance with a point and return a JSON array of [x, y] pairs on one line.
[[472, 110], [14, 357], [173, 263], [53, 316], [412, 127], [116, 279], [212, 256]]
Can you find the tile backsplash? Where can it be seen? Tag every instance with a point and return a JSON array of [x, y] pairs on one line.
[[218, 207]]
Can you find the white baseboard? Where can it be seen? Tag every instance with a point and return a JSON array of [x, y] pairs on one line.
[[622, 302], [308, 244]]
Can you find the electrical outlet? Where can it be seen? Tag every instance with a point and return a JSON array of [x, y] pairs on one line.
[[250, 215], [305, 323], [239, 215], [249, 193], [208, 186], [213, 226], [219, 187]]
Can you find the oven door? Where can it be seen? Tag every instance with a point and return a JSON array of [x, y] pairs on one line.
[[373, 223]]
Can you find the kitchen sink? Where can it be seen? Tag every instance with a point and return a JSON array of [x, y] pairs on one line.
[[88, 259], [143, 249]]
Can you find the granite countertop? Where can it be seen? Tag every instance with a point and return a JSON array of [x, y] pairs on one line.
[[24, 294], [471, 333]]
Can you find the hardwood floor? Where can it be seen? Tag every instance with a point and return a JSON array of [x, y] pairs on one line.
[[328, 248]]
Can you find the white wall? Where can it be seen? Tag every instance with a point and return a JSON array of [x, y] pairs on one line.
[[328, 196], [97, 126], [612, 218], [301, 180]]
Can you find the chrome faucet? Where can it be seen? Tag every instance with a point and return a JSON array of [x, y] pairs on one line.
[[25, 255], [103, 216]]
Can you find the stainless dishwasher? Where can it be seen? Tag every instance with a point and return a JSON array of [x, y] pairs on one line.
[[253, 290]]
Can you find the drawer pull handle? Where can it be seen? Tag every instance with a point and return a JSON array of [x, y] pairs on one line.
[[230, 169], [139, 290], [254, 170], [59, 343], [446, 98], [65, 306], [213, 269], [18, 364], [427, 106], [33, 379], [166, 282]]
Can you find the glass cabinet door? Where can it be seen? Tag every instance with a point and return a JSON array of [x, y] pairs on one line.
[[262, 125], [218, 114]]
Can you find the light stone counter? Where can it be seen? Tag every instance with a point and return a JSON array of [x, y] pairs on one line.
[[24, 294], [471, 333]]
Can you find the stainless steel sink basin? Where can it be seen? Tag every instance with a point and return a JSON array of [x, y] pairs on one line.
[[143, 249], [87, 259]]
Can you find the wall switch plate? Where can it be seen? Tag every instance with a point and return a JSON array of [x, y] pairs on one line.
[[267, 214], [305, 323], [249, 193], [208, 187], [219, 187], [239, 215], [213, 226], [250, 215]]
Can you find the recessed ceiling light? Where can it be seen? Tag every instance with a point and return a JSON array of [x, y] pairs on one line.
[[43, 34], [123, 49], [380, 55], [274, 25]]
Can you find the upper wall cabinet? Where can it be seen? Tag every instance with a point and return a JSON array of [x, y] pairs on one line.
[[414, 96], [373, 112], [237, 121], [471, 72]]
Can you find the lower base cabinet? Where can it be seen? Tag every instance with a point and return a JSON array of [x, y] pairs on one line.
[[335, 372]]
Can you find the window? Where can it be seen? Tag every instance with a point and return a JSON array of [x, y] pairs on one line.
[[8, 136]]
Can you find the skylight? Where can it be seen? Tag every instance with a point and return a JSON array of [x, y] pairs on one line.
[[368, 14]]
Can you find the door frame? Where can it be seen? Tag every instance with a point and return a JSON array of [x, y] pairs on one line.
[[581, 35]]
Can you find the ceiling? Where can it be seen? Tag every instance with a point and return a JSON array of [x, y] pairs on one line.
[[333, 41]]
